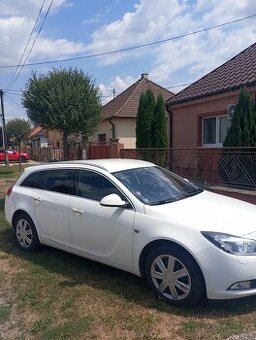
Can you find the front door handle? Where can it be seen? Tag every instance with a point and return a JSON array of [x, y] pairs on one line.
[[77, 211], [37, 199]]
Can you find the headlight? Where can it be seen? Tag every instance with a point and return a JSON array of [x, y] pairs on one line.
[[232, 244]]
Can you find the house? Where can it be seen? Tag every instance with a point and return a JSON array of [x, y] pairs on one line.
[[201, 113], [42, 138], [38, 137], [119, 115]]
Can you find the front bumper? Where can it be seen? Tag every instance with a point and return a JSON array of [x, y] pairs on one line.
[[222, 270]]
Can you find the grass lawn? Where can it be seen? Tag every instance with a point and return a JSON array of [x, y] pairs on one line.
[[54, 295]]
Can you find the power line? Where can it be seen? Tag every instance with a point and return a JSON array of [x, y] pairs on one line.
[[14, 101], [16, 92], [26, 45], [127, 49], [13, 93], [33, 44], [13, 90]]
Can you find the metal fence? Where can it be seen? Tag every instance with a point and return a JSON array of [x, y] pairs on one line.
[[234, 167], [54, 154]]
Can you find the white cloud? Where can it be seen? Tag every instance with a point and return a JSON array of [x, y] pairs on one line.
[[61, 48], [178, 61], [182, 60], [98, 17], [118, 84], [28, 7], [17, 19], [146, 23]]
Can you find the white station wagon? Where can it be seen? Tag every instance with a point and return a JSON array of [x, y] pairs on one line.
[[136, 216]]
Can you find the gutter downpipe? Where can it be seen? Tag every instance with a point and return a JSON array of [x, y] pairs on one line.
[[113, 128]]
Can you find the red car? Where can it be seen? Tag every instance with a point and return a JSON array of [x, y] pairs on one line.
[[14, 156]]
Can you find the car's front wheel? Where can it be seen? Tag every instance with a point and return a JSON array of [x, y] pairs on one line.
[[174, 276], [25, 233]]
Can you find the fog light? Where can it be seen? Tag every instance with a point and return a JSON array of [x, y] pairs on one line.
[[243, 285]]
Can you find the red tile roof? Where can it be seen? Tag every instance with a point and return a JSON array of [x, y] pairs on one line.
[[126, 103], [37, 131], [238, 71]]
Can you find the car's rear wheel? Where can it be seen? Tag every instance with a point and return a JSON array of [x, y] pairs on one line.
[[23, 159], [174, 276], [25, 233]]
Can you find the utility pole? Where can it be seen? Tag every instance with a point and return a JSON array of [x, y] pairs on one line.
[[114, 93], [3, 129]]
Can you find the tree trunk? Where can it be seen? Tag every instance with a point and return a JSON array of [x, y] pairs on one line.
[[65, 146], [84, 146]]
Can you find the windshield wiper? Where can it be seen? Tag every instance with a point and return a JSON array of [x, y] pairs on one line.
[[193, 193], [169, 200]]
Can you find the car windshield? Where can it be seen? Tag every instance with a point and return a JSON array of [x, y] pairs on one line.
[[154, 185]]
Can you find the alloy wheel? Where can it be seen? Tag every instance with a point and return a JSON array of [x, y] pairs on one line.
[[170, 277], [24, 233]]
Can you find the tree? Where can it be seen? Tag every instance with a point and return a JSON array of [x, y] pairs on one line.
[[242, 131], [160, 139], [18, 130], [149, 121], [145, 119], [66, 100], [141, 116]]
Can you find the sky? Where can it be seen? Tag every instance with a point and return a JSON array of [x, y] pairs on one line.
[[76, 28]]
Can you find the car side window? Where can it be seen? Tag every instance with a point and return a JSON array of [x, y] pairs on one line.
[[35, 180], [94, 186], [61, 180]]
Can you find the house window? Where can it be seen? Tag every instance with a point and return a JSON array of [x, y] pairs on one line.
[[102, 137], [215, 131]]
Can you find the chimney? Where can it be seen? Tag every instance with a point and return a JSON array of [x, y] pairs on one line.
[[144, 75]]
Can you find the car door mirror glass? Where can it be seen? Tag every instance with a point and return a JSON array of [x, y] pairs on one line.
[[113, 200]]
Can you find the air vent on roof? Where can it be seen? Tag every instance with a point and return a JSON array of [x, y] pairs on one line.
[[231, 111]]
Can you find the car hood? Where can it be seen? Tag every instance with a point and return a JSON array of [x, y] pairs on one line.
[[208, 211]]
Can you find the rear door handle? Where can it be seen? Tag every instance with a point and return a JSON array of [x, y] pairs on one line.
[[37, 199], [77, 211]]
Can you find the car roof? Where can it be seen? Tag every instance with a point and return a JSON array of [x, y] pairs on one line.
[[108, 164]]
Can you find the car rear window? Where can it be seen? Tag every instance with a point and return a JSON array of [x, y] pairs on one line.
[[61, 180], [35, 180]]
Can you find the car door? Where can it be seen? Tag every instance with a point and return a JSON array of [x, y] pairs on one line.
[[11, 155], [104, 233], [52, 206], [2, 155]]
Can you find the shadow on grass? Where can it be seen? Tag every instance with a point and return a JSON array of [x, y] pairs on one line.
[[2, 203], [79, 271]]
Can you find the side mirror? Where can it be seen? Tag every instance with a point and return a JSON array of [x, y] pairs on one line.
[[113, 200]]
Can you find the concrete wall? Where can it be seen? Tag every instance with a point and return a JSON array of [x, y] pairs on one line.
[[54, 138], [124, 131], [104, 127], [43, 141]]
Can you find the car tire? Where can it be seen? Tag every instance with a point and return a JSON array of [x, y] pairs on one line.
[[25, 233], [174, 276], [23, 159]]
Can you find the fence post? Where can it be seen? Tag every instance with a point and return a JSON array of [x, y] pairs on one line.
[[113, 148]]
